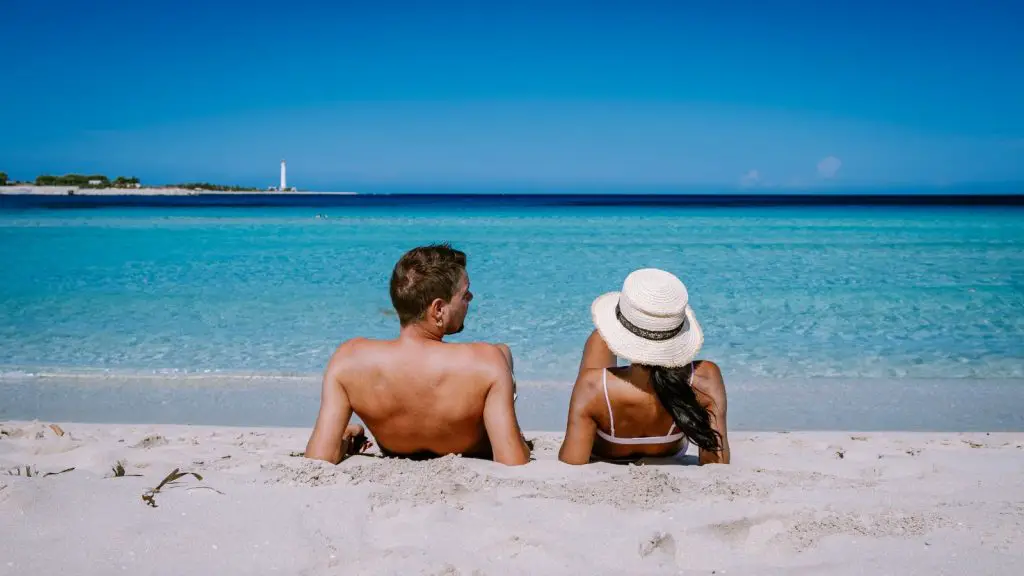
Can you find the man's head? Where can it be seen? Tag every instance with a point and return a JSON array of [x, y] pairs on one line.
[[429, 284]]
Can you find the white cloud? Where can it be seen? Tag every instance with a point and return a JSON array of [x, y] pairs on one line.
[[829, 166], [751, 178]]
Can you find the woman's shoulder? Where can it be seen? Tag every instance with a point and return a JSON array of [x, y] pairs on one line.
[[706, 369], [707, 378], [589, 386], [590, 379]]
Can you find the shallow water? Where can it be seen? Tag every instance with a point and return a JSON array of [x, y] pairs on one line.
[[814, 296]]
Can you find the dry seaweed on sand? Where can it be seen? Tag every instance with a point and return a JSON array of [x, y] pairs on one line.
[[28, 471], [119, 471], [170, 481]]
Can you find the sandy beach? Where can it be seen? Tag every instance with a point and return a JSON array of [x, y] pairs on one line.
[[792, 503]]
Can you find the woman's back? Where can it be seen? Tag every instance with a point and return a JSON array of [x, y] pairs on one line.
[[638, 424], [633, 423]]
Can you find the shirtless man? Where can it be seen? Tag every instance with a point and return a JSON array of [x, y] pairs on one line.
[[420, 396]]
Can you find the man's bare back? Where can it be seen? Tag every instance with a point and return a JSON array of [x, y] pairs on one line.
[[421, 396]]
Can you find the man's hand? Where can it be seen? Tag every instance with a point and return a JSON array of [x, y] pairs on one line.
[[355, 441]]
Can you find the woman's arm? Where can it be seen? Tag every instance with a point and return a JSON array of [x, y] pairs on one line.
[[580, 427], [710, 388], [596, 355]]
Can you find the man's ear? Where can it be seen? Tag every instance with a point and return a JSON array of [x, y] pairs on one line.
[[436, 310]]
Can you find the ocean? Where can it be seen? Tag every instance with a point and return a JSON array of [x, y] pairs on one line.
[[854, 315]]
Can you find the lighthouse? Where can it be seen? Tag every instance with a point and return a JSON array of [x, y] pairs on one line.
[[284, 180]]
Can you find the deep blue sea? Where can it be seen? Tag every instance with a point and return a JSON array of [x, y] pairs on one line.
[[852, 316]]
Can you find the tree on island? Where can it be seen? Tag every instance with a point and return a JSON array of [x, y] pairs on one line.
[[212, 187], [122, 182], [79, 180], [100, 181], [3, 178]]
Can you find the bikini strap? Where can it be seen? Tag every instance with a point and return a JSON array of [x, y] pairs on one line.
[[604, 383]]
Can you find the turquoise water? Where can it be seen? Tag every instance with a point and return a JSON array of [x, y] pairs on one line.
[[803, 294]]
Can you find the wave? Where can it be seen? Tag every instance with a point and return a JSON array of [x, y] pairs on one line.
[[156, 374], [173, 376]]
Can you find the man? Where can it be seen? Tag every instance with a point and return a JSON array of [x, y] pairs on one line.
[[418, 395]]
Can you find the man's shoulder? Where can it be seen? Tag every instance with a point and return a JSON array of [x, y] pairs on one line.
[[477, 357], [477, 361], [475, 347], [355, 349], [357, 342], [353, 345], [482, 354]]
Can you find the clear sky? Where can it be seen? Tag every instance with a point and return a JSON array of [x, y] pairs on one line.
[[360, 94]]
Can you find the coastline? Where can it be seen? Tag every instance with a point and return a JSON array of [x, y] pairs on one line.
[[291, 399], [581, 197], [144, 191], [835, 502]]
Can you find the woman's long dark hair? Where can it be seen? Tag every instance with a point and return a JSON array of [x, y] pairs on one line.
[[672, 385]]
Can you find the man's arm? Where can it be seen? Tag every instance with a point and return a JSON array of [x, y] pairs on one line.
[[329, 438], [580, 427], [710, 388], [507, 444]]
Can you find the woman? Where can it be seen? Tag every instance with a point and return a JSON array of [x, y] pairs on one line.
[[664, 398]]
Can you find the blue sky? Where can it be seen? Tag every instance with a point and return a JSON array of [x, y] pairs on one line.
[[362, 94]]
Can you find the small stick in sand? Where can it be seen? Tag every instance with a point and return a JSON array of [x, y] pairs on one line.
[[57, 429]]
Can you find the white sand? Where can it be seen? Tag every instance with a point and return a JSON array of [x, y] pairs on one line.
[[893, 503]]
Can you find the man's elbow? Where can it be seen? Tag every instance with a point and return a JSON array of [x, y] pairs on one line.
[[514, 459], [322, 458], [314, 452]]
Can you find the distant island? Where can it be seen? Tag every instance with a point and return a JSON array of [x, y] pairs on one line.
[[100, 181], [99, 184]]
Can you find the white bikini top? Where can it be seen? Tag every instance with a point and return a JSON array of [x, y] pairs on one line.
[[666, 439]]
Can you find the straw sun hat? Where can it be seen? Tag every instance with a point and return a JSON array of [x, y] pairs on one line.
[[650, 321]]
